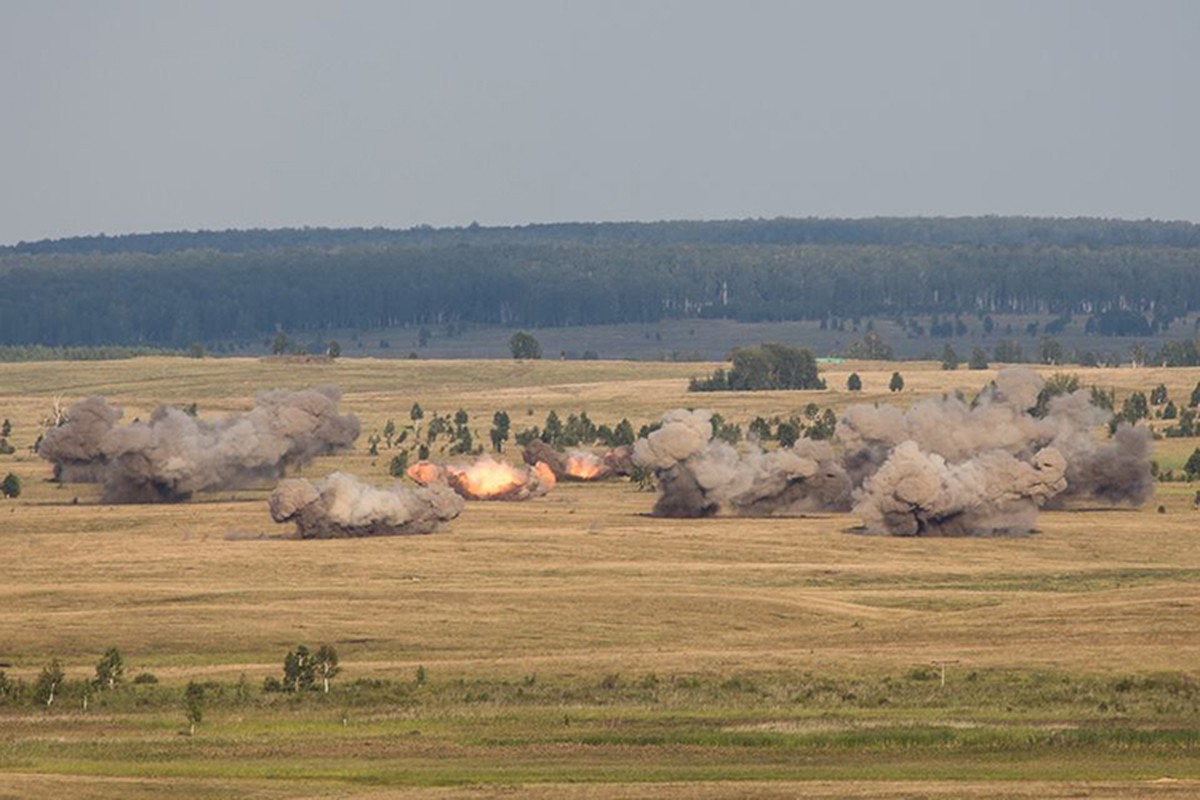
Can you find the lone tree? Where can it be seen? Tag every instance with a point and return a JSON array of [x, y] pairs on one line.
[[10, 486], [896, 384], [500, 428], [978, 359], [1192, 467], [110, 670], [524, 346], [298, 670], [48, 684], [949, 357], [854, 383], [326, 665], [193, 705]]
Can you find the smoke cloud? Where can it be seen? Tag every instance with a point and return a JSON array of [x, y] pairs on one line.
[[342, 506], [172, 455], [75, 448], [699, 475], [945, 466]]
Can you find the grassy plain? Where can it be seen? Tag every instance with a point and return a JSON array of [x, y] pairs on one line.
[[574, 647]]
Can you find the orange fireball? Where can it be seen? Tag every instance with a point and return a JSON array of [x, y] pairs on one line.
[[582, 465], [426, 472], [545, 475]]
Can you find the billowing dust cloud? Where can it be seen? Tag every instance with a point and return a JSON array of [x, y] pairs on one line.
[[172, 455], [487, 479], [699, 474], [342, 506], [945, 466], [75, 448]]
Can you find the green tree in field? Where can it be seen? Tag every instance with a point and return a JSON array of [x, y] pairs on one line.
[[280, 344], [5, 429], [896, 384], [1194, 400], [1192, 466], [552, 432], [326, 665], [1170, 411], [193, 705], [110, 669], [10, 486], [854, 383], [1134, 408], [1158, 395], [978, 359], [48, 683], [334, 349], [299, 670], [398, 465], [623, 434], [389, 432], [416, 413], [500, 430], [949, 357], [524, 346]]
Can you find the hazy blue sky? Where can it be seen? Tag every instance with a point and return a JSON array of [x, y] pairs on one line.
[[158, 115]]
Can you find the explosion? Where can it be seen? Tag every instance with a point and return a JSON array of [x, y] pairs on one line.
[[943, 467], [487, 479], [574, 465], [341, 506], [173, 455]]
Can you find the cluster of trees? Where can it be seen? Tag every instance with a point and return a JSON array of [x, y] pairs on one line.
[[762, 367], [427, 433], [177, 289], [52, 684], [306, 670]]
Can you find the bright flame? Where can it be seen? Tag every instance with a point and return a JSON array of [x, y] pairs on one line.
[[425, 473], [545, 475], [584, 466], [487, 478]]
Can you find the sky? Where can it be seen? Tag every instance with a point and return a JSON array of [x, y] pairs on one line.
[[122, 117]]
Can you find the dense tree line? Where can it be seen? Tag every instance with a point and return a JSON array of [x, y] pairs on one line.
[[177, 297], [976, 231]]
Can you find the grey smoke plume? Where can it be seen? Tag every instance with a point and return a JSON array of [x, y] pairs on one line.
[[944, 466], [342, 506], [699, 475], [920, 493], [75, 448], [173, 455]]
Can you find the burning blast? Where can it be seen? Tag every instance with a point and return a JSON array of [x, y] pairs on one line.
[[578, 464], [342, 506], [486, 479], [943, 467], [173, 455]]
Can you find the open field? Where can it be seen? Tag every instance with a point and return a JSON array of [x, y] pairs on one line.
[[574, 647]]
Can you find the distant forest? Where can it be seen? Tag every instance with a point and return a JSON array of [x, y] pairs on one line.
[[173, 289]]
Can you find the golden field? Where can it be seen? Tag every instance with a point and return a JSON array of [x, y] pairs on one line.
[[569, 590]]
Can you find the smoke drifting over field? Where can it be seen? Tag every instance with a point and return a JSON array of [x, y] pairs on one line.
[[173, 455], [943, 467], [342, 506], [699, 474]]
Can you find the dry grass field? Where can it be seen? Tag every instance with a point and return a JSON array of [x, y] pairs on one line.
[[572, 646]]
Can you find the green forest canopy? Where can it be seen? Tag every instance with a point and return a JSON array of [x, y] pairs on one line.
[[171, 289]]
